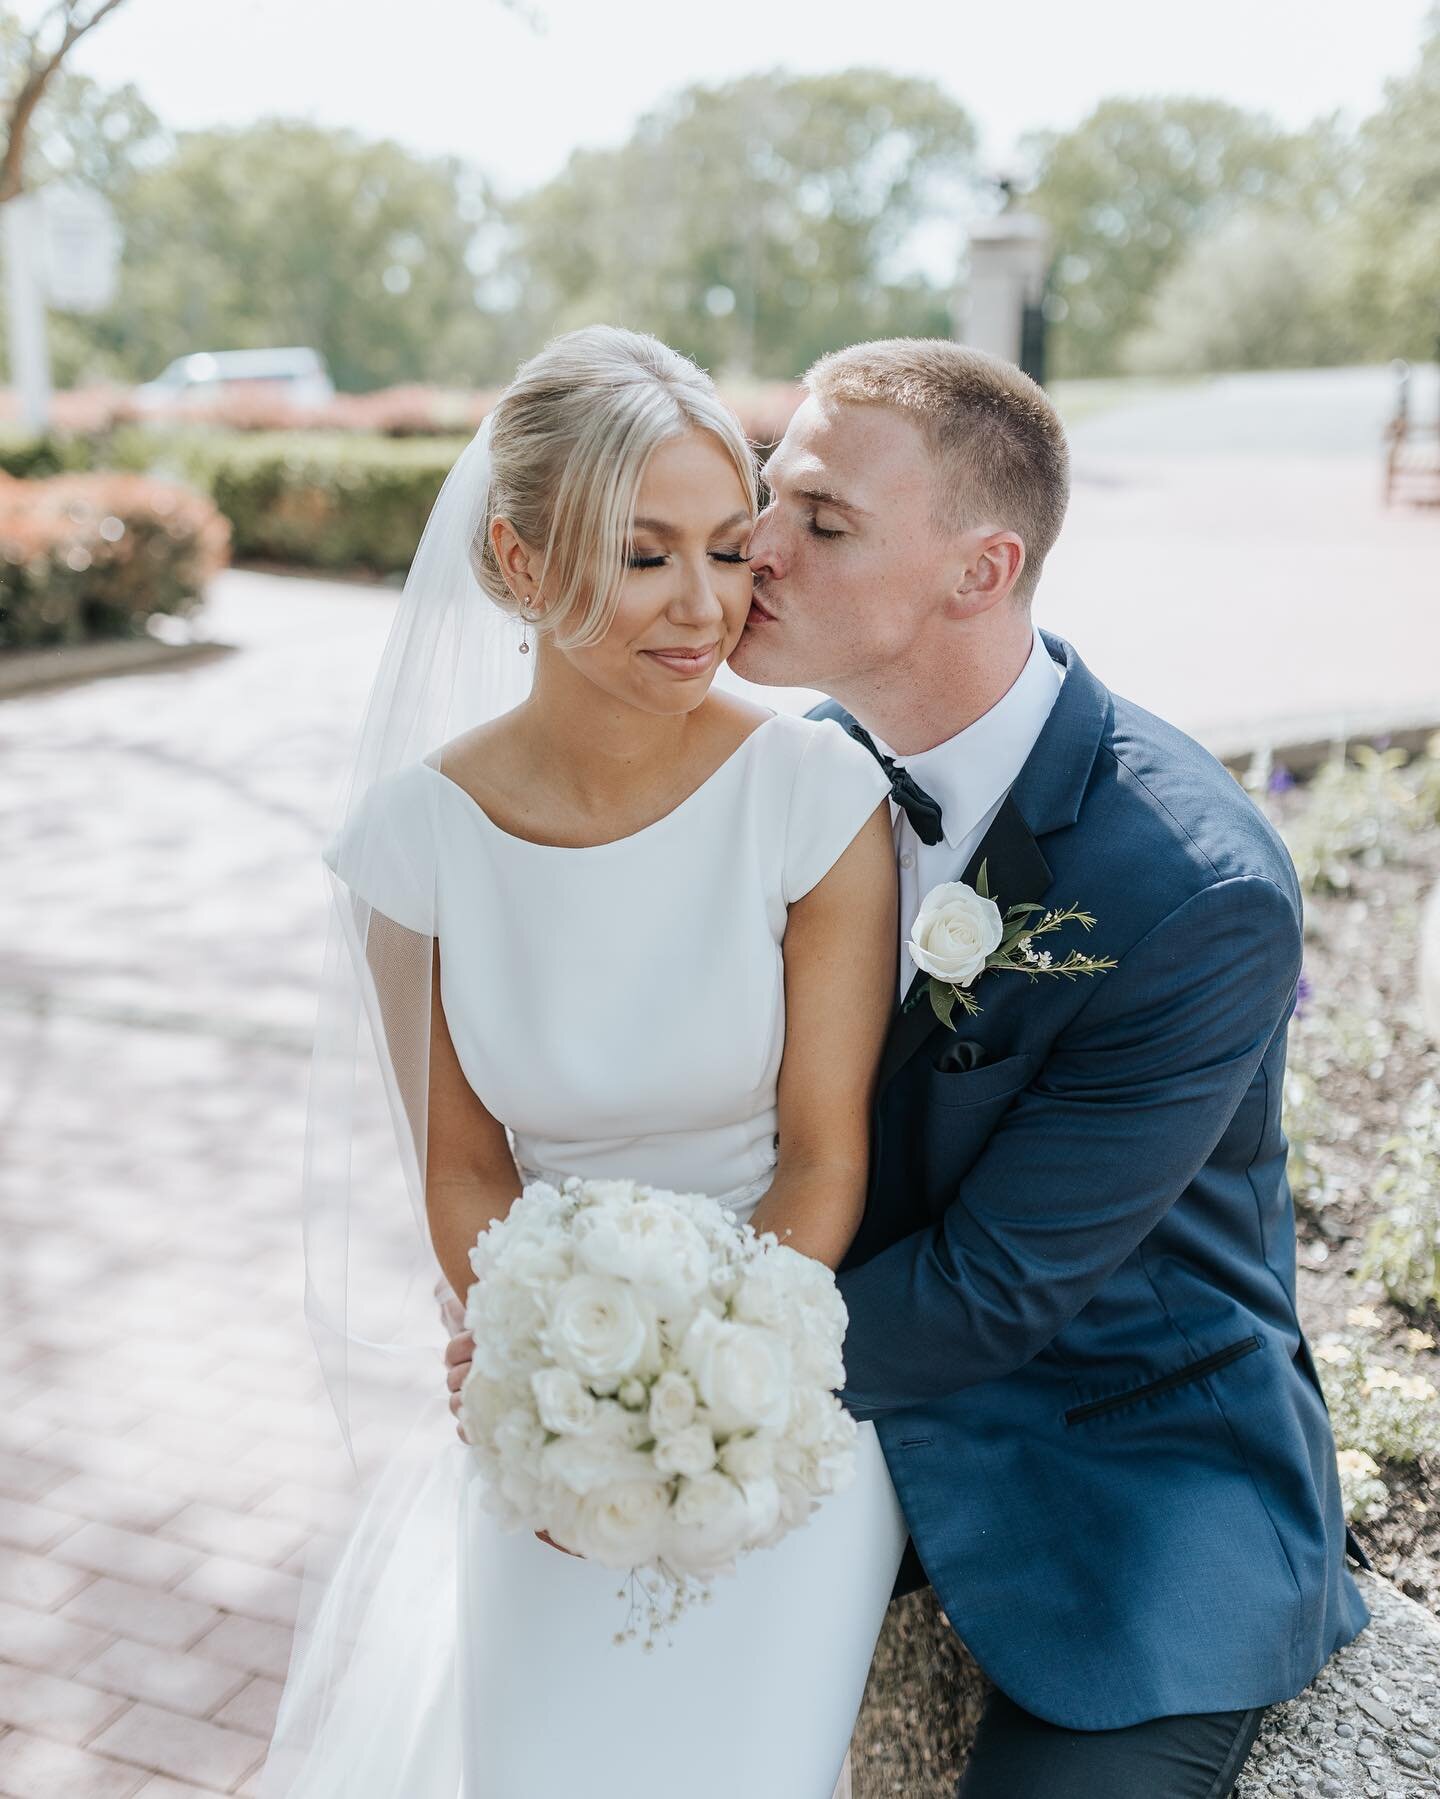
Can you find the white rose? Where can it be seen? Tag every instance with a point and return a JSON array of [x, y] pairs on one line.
[[741, 1371], [690, 1451], [622, 1524], [563, 1401], [709, 1522], [585, 1464], [672, 1403], [650, 1244], [597, 1327], [748, 1458], [955, 932]]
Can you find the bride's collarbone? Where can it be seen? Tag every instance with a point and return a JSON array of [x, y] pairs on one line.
[[516, 798]]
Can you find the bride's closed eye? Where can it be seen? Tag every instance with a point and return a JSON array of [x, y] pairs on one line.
[[732, 557]]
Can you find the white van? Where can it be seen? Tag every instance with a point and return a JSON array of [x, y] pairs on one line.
[[296, 376]]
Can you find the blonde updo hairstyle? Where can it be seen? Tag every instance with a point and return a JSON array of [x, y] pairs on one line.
[[570, 439]]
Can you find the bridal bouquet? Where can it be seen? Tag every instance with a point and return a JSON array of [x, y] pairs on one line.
[[652, 1383]]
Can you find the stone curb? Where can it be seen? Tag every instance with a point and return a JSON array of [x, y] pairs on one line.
[[27, 671]]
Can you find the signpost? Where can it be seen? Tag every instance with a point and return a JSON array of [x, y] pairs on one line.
[[61, 247]]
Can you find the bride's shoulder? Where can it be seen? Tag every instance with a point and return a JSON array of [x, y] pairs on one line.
[[823, 754]]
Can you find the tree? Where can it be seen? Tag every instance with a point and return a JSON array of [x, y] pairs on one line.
[[29, 68], [1391, 236], [1257, 292], [1129, 189], [283, 232], [754, 224]]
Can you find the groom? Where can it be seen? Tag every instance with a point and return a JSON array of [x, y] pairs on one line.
[[1072, 1296]]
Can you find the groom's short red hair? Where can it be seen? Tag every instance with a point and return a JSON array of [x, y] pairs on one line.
[[998, 443]]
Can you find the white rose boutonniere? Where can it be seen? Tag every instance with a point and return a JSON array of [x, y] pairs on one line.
[[961, 931]]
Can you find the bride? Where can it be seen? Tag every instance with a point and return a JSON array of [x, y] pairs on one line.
[[594, 917]]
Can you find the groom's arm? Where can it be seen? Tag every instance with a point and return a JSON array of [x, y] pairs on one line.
[[1125, 1110]]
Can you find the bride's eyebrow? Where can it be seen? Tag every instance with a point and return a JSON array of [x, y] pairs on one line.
[[657, 527]]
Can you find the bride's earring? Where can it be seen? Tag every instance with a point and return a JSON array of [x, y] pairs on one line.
[[524, 635]]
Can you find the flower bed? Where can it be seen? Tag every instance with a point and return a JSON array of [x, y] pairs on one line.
[[1363, 1117]]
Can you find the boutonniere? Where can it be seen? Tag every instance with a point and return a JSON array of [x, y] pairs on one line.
[[961, 932]]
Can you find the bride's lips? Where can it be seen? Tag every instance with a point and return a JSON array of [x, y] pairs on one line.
[[686, 661]]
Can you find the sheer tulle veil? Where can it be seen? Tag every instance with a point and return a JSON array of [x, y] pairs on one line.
[[368, 1710]]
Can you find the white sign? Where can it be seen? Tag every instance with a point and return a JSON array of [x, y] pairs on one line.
[[80, 241]]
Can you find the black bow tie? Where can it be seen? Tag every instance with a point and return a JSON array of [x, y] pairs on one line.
[[907, 793]]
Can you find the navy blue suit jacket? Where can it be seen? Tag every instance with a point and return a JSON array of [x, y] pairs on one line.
[[1072, 1294]]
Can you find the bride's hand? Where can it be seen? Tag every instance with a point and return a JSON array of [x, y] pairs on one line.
[[459, 1353]]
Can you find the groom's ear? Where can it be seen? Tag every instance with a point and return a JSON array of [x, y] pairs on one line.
[[989, 566]]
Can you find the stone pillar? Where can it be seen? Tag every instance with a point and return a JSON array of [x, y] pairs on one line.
[[1009, 260]]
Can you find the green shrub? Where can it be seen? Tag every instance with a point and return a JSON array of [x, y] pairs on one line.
[[1402, 1250], [95, 555]]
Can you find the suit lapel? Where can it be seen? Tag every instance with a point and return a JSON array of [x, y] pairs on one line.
[[1015, 871]]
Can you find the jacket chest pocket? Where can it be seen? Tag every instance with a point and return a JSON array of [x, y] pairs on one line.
[[962, 1106]]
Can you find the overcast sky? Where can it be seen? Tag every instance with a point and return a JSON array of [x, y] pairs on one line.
[[466, 77]]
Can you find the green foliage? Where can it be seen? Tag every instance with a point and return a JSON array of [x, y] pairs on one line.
[[1257, 292], [286, 233], [1126, 193], [1402, 1250], [752, 224], [1390, 241], [324, 502], [1390, 1414], [1307, 1122], [96, 555], [1356, 808]]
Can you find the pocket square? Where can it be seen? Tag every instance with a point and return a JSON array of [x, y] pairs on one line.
[[959, 1056]]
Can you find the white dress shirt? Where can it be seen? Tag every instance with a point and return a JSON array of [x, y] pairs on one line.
[[968, 776]]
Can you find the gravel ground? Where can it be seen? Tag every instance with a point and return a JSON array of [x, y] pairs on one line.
[[1359, 1035]]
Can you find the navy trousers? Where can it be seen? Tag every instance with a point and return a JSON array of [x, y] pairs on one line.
[[1192, 1755]]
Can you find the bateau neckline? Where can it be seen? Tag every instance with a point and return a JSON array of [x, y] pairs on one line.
[[587, 849]]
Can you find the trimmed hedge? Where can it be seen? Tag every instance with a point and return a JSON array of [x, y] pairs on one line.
[[95, 555]]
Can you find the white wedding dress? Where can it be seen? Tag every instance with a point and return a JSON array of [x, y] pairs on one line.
[[632, 1024]]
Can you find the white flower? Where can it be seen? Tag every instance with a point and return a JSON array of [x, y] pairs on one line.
[[585, 1464], [748, 1458], [954, 933], [563, 1401], [709, 1522], [690, 1451], [742, 1372], [672, 1403], [620, 1524], [597, 1327]]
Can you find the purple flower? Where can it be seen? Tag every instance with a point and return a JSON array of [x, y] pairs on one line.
[[1281, 780], [1304, 993]]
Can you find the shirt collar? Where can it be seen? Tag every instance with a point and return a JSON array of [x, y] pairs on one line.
[[971, 770]]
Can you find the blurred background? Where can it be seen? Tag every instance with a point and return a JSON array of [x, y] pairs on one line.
[[265, 265]]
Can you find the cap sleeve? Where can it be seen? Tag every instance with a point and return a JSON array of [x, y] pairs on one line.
[[838, 784], [385, 851]]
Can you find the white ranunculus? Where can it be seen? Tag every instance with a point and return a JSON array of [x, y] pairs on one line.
[[709, 1523], [741, 1371], [690, 1451], [563, 1401], [597, 1327], [954, 933], [620, 1524], [672, 1403]]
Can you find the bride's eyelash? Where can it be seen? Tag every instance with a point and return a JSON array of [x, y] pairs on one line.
[[730, 556]]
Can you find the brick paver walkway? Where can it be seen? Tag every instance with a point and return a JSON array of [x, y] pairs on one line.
[[164, 1444]]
